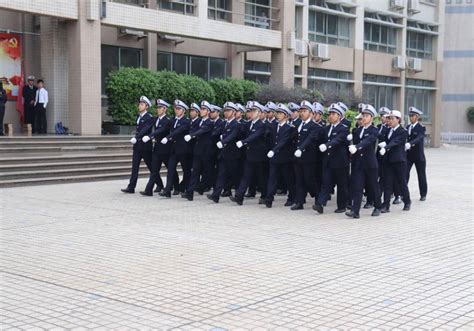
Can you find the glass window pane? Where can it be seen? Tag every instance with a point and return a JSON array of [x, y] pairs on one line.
[[320, 22], [180, 63], [110, 62], [217, 68], [130, 57], [375, 33], [199, 66], [332, 25], [163, 61]]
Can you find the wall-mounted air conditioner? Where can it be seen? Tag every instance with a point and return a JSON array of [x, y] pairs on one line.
[[301, 48], [413, 6], [131, 32], [320, 52], [397, 4], [414, 64], [399, 63]]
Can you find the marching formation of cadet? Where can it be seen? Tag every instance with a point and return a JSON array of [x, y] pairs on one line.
[[280, 149]]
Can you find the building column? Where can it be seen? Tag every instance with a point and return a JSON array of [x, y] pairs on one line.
[[236, 60], [402, 46], [54, 70], [151, 45], [283, 60], [83, 41], [358, 31], [305, 38], [436, 114]]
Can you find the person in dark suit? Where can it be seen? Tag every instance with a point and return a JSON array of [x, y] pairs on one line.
[[240, 116], [179, 148], [255, 147], [317, 118], [383, 129], [335, 161], [281, 157], [344, 120], [29, 96], [229, 153], [3, 102], [217, 127], [318, 114], [309, 133], [364, 163], [416, 150], [142, 150], [202, 152], [295, 114], [396, 167], [160, 155]]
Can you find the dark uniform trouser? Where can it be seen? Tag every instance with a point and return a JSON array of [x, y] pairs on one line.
[[318, 179], [396, 176], [284, 172], [255, 173], [200, 173], [333, 177], [173, 161], [29, 113], [2, 115], [227, 171], [421, 172], [40, 119], [155, 178], [359, 179], [138, 155], [305, 181]]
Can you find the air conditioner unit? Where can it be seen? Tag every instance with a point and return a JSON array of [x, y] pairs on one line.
[[131, 32], [414, 64], [321, 52], [413, 6], [301, 48], [399, 63], [397, 4]]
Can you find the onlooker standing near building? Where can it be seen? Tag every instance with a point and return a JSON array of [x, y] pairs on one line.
[[3, 101], [41, 102], [29, 97]]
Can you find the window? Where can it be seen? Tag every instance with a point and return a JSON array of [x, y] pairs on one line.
[[419, 45], [379, 95], [219, 9], [420, 93], [114, 58], [322, 80], [200, 66], [259, 72], [380, 38], [258, 13], [181, 6], [329, 29]]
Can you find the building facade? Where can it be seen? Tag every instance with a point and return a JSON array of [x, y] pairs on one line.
[[390, 52]]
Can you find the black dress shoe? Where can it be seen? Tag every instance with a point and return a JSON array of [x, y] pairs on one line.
[[128, 190], [268, 203], [297, 206], [145, 193], [280, 192], [385, 210], [423, 198], [237, 200], [166, 194], [226, 194], [175, 192], [397, 200], [261, 201], [184, 195], [407, 207], [376, 212], [189, 196], [368, 205], [211, 197], [351, 214], [250, 195], [158, 189], [340, 210], [288, 203], [318, 208]]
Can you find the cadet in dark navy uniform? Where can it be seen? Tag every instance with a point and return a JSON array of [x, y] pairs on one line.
[[295, 114], [217, 127], [318, 119], [254, 144], [179, 148], [344, 120], [416, 150], [309, 133], [230, 154], [202, 153], [396, 161], [364, 163], [318, 115], [161, 152], [281, 157], [141, 149], [335, 160]]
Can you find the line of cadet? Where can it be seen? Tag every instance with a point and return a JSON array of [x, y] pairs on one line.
[[280, 149]]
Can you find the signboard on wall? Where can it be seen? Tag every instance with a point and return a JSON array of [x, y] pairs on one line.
[[11, 72]]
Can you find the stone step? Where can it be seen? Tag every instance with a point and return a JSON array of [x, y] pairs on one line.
[[62, 149], [14, 159], [38, 138], [62, 143], [62, 165]]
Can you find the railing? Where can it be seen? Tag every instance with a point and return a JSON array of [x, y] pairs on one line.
[[457, 137]]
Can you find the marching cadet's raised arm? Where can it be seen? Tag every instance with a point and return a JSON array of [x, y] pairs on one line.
[[397, 140], [255, 134], [161, 130], [179, 131], [283, 140]]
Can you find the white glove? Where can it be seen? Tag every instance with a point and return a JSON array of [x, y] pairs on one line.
[[382, 144], [323, 148], [146, 139], [219, 145], [349, 137], [239, 144], [352, 149], [270, 154], [133, 140], [164, 141], [298, 153], [187, 137], [221, 136], [382, 151], [407, 146]]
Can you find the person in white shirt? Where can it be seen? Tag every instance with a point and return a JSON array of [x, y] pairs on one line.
[[41, 102]]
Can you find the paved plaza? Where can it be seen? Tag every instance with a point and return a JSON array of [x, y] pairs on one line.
[[86, 255]]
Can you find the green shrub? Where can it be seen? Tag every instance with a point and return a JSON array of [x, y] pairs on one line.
[[250, 90], [470, 114], [279, 93], [197, 90]]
